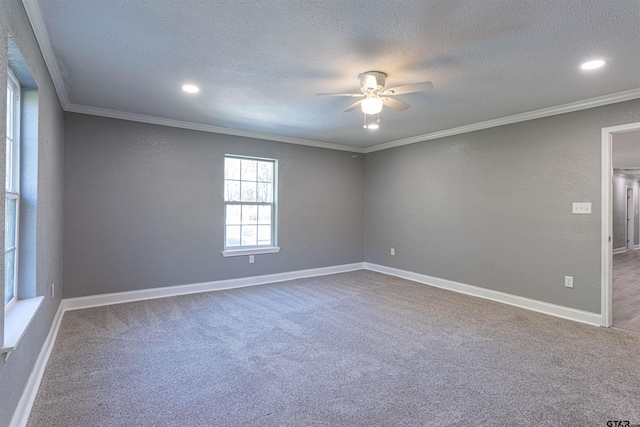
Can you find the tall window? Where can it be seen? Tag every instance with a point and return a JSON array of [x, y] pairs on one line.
[[250, 203], [12, 190]]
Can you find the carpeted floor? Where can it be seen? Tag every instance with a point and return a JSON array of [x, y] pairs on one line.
[[353, 349]]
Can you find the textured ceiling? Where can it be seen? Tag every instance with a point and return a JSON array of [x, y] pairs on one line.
[[259, 63]]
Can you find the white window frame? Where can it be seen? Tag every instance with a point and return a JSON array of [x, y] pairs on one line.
[[12, 178], [256, 249]]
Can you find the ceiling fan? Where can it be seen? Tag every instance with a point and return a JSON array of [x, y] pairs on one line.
[[376, 96]]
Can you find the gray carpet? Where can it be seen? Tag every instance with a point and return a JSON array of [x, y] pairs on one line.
[[355, 349]]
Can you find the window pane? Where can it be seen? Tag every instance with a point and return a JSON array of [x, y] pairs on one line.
[[248, 191], [264, 214], [264, 235], [265, 171], [11, 204], [8, 180], [9, 275], [10, 221], [249, 214], [233, 236], [249, 170], [233, 214], [9, 112], [232, 168], [264, 192], [232, 191], [249, 235]]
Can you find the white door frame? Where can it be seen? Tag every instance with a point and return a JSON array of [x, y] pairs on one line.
[[606, 263], [630, 219]]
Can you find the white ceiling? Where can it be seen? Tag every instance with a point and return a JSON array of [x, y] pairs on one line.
[[259, 63]]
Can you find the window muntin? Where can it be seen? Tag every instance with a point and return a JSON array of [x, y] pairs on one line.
[[12, 190], [250, 207]]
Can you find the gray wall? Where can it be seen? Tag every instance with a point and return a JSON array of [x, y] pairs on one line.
[[619, 214], [48, 265], [144, 208], [492, 208]]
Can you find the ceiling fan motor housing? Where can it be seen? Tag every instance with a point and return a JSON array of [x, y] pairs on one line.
[[372, 81]]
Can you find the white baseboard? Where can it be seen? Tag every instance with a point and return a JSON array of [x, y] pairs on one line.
[[170, 291], [21, 414], [23, 410], [527, 303], [619, 250], [636, 247]]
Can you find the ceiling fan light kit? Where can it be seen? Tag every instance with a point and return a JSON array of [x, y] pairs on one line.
[[371, 105], [376, 96]]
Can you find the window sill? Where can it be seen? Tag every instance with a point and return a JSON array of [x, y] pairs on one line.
[[254, 251], [16, 321]]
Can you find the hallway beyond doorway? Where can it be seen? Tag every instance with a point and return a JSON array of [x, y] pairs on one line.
[[626, 290]]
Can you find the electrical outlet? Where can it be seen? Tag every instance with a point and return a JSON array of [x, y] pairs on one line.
[[568, 281], [53, 290], [393, 251], [251, 259]]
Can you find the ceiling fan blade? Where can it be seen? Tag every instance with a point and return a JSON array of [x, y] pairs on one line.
[[352, 106], [395, 104], [415, 87], [354, 95]]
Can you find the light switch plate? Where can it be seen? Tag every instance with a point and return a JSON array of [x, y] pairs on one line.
[[582, 208]]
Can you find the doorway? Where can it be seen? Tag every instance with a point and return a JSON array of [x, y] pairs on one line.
[[620, 222]]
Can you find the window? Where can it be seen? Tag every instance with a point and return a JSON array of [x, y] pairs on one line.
[[12, 190], [249, 205], [21, 194]]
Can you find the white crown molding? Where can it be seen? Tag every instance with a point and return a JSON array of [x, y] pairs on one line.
[[42, 36], [503, 297], [536, 114], [531, 115], [39, 28], [115, 114]]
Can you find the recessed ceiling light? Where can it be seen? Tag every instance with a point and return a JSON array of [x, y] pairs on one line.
[[373, 126], [191, 89], [592, 65]]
